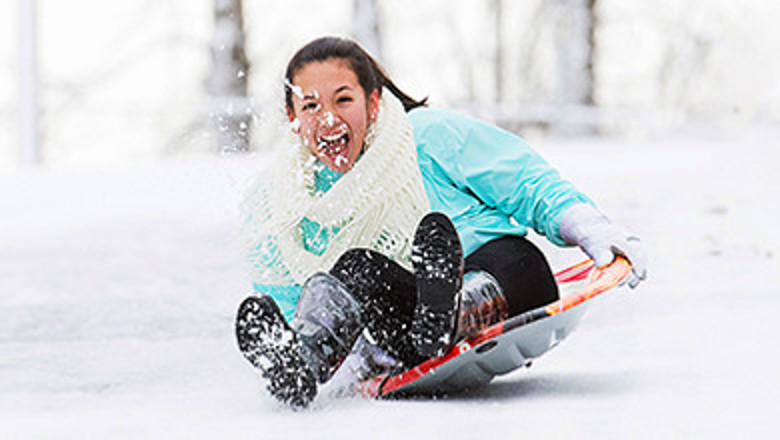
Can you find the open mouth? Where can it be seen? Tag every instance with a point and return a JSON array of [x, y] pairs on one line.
[[334, 146]]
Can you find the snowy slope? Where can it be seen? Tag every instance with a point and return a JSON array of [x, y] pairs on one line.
[[118, 288]]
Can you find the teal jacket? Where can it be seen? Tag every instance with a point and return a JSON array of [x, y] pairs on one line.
[[487, 180]]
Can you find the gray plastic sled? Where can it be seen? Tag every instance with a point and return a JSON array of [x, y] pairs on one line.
[[507, 345]]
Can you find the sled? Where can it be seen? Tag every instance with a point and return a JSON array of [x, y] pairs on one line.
[[507, 345]]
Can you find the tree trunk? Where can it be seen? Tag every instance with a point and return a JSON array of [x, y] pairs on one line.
[[29, 109], [574, 40], [365, 26], [498, 66], [231, 111]]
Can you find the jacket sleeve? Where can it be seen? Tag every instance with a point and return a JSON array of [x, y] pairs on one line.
[[505, 173]]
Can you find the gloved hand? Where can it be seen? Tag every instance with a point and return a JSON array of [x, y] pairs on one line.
[[602, 241]]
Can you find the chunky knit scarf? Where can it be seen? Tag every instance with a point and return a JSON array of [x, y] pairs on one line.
[[376, 205]]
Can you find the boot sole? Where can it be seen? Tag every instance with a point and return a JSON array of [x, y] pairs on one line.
[[268, 343], [437, 257]]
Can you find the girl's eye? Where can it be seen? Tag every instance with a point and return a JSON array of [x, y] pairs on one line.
[[344, 99], [310, 107]]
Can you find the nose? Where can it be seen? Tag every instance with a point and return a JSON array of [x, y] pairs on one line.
[[328, 117]]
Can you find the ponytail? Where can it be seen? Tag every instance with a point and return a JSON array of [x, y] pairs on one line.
[[408, 102]]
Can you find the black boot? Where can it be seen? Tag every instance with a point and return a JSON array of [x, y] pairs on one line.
[[269, 344], [295, 357], [438, 269], [328, 322]]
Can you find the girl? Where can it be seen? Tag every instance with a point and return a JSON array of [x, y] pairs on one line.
[[360, 231]]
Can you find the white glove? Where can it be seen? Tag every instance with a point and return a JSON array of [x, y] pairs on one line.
[[602, 241]]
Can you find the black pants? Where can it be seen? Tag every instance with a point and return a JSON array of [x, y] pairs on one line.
[[387, 292], [520, 268]]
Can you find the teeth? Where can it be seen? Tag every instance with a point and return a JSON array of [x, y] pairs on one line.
[[329, 138], [333, 137], [340, 132]]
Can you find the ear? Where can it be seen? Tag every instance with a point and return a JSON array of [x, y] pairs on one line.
[[296, 128], [373, 104]]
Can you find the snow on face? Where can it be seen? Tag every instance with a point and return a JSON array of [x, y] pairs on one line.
[[294, 89], [332, 110]]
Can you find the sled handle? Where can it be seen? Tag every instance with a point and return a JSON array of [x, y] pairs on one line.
[[604, 279]]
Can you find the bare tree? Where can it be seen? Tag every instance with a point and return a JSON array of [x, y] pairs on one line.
[[498, 15], [365, 26], [557, 93], [29, 110], [575, 22], [231, 111]]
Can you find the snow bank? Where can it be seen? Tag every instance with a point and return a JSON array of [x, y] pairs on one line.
[[118, 288]]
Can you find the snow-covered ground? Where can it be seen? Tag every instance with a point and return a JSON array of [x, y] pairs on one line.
[[118, 289]]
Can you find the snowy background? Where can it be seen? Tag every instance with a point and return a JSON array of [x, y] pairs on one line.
[[120, 260]]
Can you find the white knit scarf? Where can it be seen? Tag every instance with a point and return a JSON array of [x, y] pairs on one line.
[[376, 205]]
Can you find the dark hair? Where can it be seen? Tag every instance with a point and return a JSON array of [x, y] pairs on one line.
[[369, 73]]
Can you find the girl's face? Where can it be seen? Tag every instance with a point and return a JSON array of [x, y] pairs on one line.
[[331, 112]]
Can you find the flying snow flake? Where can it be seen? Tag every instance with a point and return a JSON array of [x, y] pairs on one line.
[[297, 91]]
